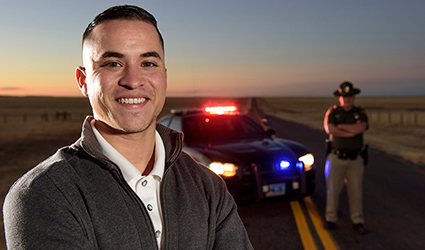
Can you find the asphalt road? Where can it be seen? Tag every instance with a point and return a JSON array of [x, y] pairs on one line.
[[394, 204]]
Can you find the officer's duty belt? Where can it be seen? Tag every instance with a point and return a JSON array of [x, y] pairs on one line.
[[347, 153]]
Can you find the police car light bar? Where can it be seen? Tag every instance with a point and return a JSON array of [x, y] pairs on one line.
[[222, 110]]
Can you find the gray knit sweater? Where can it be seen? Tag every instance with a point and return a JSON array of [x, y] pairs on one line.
[[78, 199]]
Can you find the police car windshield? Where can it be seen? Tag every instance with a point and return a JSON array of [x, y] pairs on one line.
[[220, 128]]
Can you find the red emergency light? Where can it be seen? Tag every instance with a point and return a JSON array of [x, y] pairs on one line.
[[222, 110]]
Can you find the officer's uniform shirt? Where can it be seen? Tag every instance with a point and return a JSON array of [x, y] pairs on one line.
[[339, 116]]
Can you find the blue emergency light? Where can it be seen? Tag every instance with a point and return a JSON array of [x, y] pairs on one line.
[[283, 165], [300, 164]]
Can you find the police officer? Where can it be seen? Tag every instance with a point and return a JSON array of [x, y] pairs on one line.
[[345, 125]]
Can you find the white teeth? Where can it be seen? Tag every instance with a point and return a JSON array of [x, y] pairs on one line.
[[131, 100]]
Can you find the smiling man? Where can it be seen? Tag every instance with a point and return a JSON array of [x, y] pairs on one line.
[[125, 79], [125, 184]]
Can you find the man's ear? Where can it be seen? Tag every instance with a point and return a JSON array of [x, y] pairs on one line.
[[80, 76], [166, 79]]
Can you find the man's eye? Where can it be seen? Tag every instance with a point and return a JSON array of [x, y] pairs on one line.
[[148, 64], [112, 64]]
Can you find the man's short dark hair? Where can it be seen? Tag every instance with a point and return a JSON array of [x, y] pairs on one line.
[[123, 12]]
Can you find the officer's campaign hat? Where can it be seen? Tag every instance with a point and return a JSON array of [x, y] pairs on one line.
[[346, 89]]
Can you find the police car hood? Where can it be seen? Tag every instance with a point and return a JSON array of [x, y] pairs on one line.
[[247, 150]]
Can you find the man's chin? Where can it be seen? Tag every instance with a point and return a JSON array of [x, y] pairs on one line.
[[119, 127], [133, 128]]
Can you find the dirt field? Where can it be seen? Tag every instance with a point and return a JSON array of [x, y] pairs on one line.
[[33, 128]]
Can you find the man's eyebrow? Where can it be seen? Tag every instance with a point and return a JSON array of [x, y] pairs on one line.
[[150, 54], [119, 55], [112, 54]]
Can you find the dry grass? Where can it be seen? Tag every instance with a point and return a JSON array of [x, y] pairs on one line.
[[26, 139]]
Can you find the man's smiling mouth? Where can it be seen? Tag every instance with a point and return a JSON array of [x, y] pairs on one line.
[[131, 100]]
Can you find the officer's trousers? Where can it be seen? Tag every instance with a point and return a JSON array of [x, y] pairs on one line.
[[336, 172]]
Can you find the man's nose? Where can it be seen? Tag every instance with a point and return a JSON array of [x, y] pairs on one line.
[[132, 77]]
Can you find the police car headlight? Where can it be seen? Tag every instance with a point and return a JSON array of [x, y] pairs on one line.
[[223, 169], [308, 161]]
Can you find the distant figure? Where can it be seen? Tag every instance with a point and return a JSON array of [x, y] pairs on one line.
[[126, 183], [346, 156]]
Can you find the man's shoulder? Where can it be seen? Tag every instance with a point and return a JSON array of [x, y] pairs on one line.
[[187, 164], [336, 109], [358, 109], [186, 161], [46, 171]]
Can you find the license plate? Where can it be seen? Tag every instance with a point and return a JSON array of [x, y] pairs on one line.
[[276, 189]]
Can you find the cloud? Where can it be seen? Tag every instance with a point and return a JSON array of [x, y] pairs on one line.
[[12, 89]]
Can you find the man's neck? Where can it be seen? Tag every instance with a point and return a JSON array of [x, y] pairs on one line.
[[137, 148], [347, 108]]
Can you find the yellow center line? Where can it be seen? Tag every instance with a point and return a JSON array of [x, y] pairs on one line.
[[304, 231], [324, 236]]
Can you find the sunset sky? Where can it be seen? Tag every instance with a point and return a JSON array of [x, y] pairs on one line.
[[230, 47]]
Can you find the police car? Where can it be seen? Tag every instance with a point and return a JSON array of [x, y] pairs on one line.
[[251, 160]]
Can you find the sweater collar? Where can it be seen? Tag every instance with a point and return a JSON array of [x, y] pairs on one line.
[[173, 142]]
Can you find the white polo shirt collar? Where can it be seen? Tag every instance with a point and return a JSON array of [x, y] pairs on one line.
[[127, 168]]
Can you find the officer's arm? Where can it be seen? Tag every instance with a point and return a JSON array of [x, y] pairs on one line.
[[333, 129], [356, 128], [326, 120], [338, 132]]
